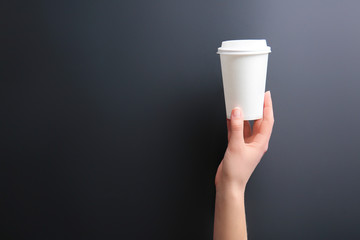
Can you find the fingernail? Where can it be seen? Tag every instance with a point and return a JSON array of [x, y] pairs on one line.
[[268, 93], [236, 113]]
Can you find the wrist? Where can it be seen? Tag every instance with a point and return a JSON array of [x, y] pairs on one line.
[[230, 189]]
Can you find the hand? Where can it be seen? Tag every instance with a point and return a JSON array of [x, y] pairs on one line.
[[245, 147]]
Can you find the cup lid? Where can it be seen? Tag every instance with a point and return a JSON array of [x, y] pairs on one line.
[[246, 46]]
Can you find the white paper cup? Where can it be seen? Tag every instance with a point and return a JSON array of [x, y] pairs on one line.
[[244, 67]]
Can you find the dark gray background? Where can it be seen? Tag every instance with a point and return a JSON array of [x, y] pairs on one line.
[[113, 118]]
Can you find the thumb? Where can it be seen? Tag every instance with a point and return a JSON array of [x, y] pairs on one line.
[[237, 129]]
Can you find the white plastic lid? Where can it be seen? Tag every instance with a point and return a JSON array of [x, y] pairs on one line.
[[248, 46]]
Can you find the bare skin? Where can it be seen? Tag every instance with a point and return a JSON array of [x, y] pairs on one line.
[[245, 149]]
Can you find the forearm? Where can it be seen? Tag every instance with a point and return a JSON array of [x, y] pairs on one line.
[[230, 221]]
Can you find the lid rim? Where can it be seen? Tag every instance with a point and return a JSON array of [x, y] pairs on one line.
[[244, 45], [243, 52]]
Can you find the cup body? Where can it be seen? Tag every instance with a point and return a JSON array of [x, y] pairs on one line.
[[244, 80]]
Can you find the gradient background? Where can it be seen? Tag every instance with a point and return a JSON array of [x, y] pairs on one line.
[[113, 118]]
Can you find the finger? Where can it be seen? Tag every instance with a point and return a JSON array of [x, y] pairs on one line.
[[228, 128], [256, 126], [237, 129], [257, 123], [247, 129], [267, 123]]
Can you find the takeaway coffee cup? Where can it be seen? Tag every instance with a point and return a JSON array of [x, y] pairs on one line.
[[243, 67]]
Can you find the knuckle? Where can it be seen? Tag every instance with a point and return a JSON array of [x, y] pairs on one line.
[[237, 126], [265, 148], [237, 129], [271, 121], [233, 147]]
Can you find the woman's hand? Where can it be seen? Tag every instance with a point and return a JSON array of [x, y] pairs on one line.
[[245, 147], [244, 152]]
